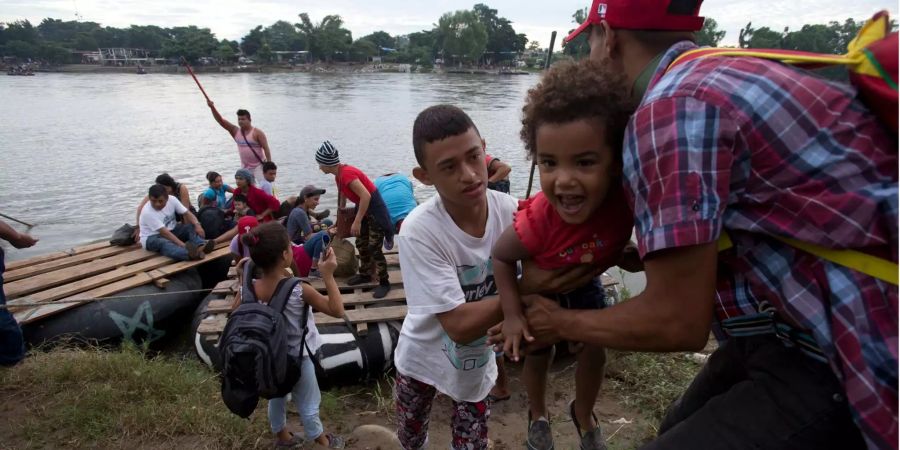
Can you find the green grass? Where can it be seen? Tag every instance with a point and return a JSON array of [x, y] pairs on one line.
[[650, 381], [100, 398]]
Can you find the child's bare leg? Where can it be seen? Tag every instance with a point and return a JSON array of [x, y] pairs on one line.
[[534, 376], [588, 379], [500, 391]]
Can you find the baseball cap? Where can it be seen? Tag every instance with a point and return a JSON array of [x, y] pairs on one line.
[[310, 190], [245, 224], [640, 15]]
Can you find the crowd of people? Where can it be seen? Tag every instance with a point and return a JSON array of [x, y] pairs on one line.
[[719, 166]]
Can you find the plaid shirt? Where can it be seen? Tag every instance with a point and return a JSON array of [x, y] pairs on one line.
[[761, 149]]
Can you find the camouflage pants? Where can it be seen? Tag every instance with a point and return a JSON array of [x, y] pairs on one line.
[[413, 405], [369, 244]]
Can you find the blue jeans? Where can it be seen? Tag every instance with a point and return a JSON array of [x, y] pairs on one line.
[[12, 346], [315, 245], [307, 397], [185, 232]]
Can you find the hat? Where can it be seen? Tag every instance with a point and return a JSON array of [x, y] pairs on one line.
[[327, 155], [641, 15], [245, 174], [245, 224], [310, 190]]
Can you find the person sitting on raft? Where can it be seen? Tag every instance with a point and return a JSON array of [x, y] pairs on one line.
[[260, 202], [214, 195], [304, 230], [173, 188], [161, 234]]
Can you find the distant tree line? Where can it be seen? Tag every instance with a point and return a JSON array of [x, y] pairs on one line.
[[467, 36]]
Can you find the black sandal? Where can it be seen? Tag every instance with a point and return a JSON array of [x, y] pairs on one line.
[[528, 444], [595, 436]]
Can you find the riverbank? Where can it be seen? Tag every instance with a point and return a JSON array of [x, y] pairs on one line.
[[340, 68], [127, 398]]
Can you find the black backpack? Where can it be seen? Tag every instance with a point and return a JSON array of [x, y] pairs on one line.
[[212, 219], [254, 348]]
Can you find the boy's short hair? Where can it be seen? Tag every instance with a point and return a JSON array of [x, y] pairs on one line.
[[211, 176], [572, 91], [243, 112], [269, 165], [436, 123], [157, 191], [239, 198]]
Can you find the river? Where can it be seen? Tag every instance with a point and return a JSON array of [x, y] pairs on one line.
[[80, 150]]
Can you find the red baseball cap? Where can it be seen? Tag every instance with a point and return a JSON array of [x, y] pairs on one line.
[[245, 224], [639, 15]]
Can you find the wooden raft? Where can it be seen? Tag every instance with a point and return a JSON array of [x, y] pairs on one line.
[[33, 286]]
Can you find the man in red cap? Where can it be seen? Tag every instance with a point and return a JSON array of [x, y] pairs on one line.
[[757, 151]]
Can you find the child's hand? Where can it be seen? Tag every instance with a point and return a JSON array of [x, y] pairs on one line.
[[328, 263], [515, 330]]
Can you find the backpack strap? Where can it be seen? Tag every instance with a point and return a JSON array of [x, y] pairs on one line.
[[283, 293], [247, 294]]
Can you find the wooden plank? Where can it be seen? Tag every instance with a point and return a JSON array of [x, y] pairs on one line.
[[225, 287], [50, 280], [220, 306], [13, 265], [365, 298], [369, 315], [394, 277], [104, 285], [62, 263], [392, 260], [213, 324], [361, 328]]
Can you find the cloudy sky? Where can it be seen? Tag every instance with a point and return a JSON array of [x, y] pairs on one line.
[[232, 19]]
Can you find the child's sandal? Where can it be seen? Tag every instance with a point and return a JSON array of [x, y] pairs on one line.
[[592, 440]]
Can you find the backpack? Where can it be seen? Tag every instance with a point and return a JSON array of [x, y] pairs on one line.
[[871, 60], [254, 348], [212, 219], [123, 236]]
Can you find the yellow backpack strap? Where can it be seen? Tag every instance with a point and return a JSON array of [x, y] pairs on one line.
[[872, 266]]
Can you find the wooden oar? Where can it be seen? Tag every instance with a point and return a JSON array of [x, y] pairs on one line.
[[533, 159], [17, 220], [191, 71]]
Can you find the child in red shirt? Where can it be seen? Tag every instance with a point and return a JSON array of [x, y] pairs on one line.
[[573, 124]]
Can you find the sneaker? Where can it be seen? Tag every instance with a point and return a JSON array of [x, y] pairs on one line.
[[359, 279], [540, 437], [192, 250], [335, 441], [295, 442], [209, 246], [320, 216], [383, 288], [389, 243], [592, 440]]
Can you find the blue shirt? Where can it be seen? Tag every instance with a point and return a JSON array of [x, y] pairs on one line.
[[397, 192], [217, 195]]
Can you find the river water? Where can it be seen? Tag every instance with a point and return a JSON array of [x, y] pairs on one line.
[[80, 150]]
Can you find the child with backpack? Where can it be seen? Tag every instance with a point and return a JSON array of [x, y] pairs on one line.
[[573, 126], [271, 253]]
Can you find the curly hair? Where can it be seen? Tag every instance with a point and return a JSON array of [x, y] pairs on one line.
[[572, 91]]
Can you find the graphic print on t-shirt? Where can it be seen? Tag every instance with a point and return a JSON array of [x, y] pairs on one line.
[[477, 282]]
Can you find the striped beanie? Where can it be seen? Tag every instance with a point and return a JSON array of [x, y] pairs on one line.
[[327, 155]]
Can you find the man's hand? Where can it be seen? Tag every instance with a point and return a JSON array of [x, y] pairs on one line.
[[199, 229], [136, 236], [535, 280], [516, 334], [23, 240], [541, 313], [355, 228]]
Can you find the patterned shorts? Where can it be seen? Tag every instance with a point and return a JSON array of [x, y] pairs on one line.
[[414, 399]]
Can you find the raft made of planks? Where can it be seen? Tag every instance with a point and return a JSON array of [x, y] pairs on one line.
[[81, 274]]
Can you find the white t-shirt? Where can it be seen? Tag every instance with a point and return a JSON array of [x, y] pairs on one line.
[[443, 268], [267, 187], [152, 219]]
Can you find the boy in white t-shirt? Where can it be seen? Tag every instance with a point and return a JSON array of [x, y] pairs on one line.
[[161, 234], [445, 253]]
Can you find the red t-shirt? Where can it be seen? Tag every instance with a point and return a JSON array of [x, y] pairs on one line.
[[554, 243], [259, 201], [346, 176], [487, 162], [302, 259]]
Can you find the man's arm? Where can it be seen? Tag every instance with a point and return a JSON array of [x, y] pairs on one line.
[[192, 219], [363, 207], [264, 142], [228, 126], [470, 321], [501, 170], [673, 313], [137, 219], [18, 240]]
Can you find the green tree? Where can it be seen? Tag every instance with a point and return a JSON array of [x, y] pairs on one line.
[[150, 37], [21, 30], [264, 55], [283, 36], [464, 36], [501, 37], [763, 37], [84, 41], [327, 39], [382, 39], [710, 35], [190, 42], [815, 38], [534, 45], [578, 48], [54, 53], [251, 43], [362, 49], [225, 52]]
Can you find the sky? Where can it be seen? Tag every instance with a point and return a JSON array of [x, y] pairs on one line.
[[232, 19]]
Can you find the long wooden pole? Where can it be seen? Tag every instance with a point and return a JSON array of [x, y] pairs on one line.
[[17, 220], [533, 160], [190, 71]]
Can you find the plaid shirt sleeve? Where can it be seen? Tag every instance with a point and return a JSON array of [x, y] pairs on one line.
[[677, 161]]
